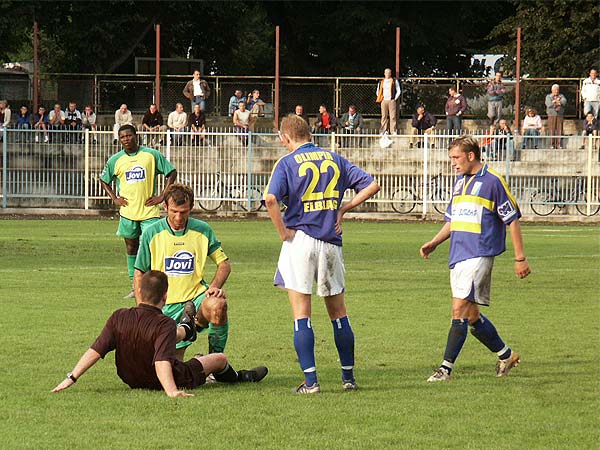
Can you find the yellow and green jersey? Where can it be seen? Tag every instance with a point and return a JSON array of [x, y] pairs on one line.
[[181, 255], [136, 177]]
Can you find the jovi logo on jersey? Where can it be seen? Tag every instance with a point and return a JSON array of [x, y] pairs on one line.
[[181, 263], [135, 175]]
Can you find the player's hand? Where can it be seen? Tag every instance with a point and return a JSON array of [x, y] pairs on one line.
[[338, 222], [121, 201], [216, 292], [180, 394], [154, 200], [427, 249], [522, 268], [66, 383], [288, 234]]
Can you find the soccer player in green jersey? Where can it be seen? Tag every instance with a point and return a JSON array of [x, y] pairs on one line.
[[179, 246], [135, 170]]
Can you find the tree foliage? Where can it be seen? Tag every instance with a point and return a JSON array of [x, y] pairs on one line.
[[559, 38]]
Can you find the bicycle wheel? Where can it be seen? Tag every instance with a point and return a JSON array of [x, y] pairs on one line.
[[443, 197], [210, 198], [581, 206], [255, 198], [403, 200], [540, 203]]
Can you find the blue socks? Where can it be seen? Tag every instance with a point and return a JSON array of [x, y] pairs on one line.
[[344, 341], [483, 329], [456, 339], [304, 342]]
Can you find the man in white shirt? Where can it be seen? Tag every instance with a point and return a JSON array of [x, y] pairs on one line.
[[177, 122], [197, 91], [122, 117], [590, 93], [388, 91]]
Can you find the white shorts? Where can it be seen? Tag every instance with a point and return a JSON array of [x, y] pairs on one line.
[[305, 260], [471, 279]]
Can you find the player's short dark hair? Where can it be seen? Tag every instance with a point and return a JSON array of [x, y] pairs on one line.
[[153, 286], [467, 144], [296, 127], [128, 127], [180, 193]]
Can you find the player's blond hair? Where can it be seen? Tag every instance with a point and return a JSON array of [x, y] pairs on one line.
[[295, 127], [180, 193], [467, 144]]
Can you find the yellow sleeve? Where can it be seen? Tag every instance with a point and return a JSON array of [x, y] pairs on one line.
[[218, 256]]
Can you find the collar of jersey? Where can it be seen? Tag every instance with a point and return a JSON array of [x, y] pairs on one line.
[[308, 144], [177, 233], [132, 154]]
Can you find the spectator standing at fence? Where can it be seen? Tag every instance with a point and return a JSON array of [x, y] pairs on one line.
[[88, 121], [326, 121], [532, 126], [197, 91], [197, 125], [177, 123], [555, 108], [122, 117], [388, 92], [40, 122], [479, 212], [234, 101], [135, 169], [590, 127], [456, 105], [423, 122], [495, 92], [4, 115], [311, 181], [590, 93], [299, 111]]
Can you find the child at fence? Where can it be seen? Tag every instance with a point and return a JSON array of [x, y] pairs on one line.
[[590, 128], [532, 126]]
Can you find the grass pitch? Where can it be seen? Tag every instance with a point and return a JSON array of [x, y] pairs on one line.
[[62, 279]]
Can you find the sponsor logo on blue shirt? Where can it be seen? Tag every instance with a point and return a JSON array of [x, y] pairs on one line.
[[506, 209], [135, 174], [181, 263]]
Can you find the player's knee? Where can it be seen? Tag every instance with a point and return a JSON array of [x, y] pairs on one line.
[[215, 310]]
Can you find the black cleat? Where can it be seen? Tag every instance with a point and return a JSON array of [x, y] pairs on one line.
[[253, 375], [188, 321]]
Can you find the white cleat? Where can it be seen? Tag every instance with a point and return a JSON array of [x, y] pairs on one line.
[[439, 375]]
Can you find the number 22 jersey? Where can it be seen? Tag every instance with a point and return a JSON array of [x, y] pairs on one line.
[[311, 182]]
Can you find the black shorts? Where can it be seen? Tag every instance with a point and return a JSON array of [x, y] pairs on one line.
[[189, 374]]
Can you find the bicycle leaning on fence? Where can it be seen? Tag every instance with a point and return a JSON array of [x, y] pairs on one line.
[[546, 199], [215, 190], [406, 198]]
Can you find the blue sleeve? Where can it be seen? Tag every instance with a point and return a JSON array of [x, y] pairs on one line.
[[278, 185], [356, 178]]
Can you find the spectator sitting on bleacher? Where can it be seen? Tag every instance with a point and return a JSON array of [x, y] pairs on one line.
[[299, 111], [24, 118], [40, 122], [57, 117], [590, 127], [503, 141], [326, 121], [241, 120], [423, 122], [197, 125], [122, 117], [152, 122], [4, 115], [88, 121], [532, 126], [352, 121], [73, 117], [234, 101], [177, 122]]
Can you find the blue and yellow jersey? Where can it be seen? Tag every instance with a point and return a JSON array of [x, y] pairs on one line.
[[312, 181], [181, 255], [479, 211], [136, 177]]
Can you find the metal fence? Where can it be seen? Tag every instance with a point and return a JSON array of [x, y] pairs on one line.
[[229, 171], [107, 92]]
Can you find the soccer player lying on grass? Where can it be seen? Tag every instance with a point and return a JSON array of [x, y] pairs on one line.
[[476, 219], [144, 340]]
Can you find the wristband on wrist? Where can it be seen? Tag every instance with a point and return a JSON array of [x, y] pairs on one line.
[[72, 377], [521, 259]]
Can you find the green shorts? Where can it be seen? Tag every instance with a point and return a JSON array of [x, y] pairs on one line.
[[174, 311], [133, 229]]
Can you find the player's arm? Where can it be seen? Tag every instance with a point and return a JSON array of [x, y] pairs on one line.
[[158, 199], [215, 289], [164, 372], [429, 247], [89, 358], [364, 195], [117, 200], [522, 268], [286, 234]]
